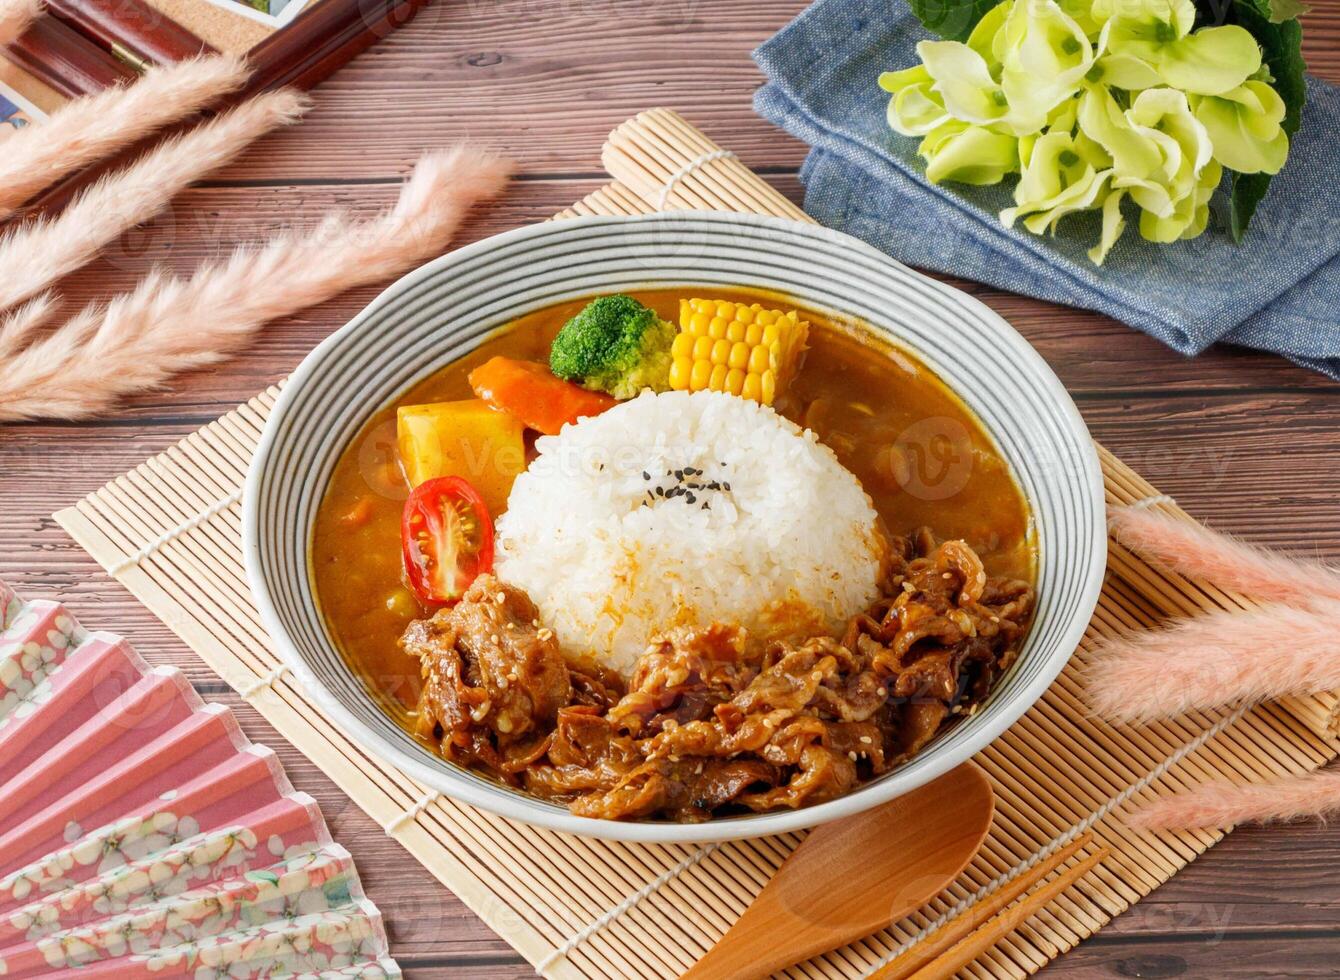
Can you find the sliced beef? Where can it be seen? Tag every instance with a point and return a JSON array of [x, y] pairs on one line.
[[493, 677], [705, 726]]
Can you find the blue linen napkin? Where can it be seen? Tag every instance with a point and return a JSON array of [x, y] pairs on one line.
[[1279, 291]]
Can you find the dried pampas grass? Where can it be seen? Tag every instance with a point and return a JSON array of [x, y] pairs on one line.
[[1216, 659], [170, 324], [88, 129], [1290, 646], [20, 325], [15, 16], [34, 256], [1315, 794], [1198, 552]]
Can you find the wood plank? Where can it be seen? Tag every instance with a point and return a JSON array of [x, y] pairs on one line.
[[548, 81], [1091, 353], [1245, 958]]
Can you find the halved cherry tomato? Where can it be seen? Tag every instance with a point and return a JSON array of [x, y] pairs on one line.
[[530, 393], [447, 539]]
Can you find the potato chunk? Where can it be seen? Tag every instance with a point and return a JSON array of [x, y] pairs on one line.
[[466, 439]]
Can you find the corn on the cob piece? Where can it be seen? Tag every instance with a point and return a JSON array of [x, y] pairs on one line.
[[744, 350]]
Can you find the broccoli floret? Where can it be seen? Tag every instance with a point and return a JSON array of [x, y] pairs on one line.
[[615, 345]]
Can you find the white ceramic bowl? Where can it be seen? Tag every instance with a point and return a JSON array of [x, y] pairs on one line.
[[435, 314]]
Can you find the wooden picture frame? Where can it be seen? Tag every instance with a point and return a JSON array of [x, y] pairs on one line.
[[83, 46]]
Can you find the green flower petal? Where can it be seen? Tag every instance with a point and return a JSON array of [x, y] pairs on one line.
[[1043, 61], [1092, 152], [896, 81], [915, 108], [1124, 71], [968, 154], [1244, 126], [1026, 146], [1062, 119], [963, 81], [1157, 21], [1044, 177], [1210, 61], [984, 37], [1113, 225], [1191, 214], [1133, 154]]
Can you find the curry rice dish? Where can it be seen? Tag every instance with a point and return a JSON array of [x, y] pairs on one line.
[[677, 554]]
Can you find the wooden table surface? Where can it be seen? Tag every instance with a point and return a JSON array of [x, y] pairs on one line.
[[1247, 442]]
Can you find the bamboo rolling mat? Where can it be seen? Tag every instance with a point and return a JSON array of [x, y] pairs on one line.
[[170, 532]]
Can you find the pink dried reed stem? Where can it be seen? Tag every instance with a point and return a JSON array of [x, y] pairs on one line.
[[171, 324], [88, 129], [1290, 646], [36, 255], [1217, 659], [1315, 794], [1198, 552]]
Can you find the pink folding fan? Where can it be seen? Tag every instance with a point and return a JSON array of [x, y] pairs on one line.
[[143, 835]]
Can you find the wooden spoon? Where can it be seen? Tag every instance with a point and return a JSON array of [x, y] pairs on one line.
[[853, 877]]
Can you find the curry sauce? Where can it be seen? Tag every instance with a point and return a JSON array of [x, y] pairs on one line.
[[922, 457]]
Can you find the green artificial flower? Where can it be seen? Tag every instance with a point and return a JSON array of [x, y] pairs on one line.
[[1044, 57], [1245, 127], [1157, 146], [1164, 116], [1099, 105], [1060, 176], [915, 108], [963, 81], [968, 154], [1147, 43], [1020, 62], [1190, 215]]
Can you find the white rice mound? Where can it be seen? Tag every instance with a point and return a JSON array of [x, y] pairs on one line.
[[791, 549]]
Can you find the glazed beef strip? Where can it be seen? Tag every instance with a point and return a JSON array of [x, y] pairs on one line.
[[706, 725]]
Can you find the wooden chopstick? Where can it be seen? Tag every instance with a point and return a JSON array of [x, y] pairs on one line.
[[1002, 924], [930, 950]]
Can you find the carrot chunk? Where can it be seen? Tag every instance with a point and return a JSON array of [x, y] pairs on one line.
[[532, 394]]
